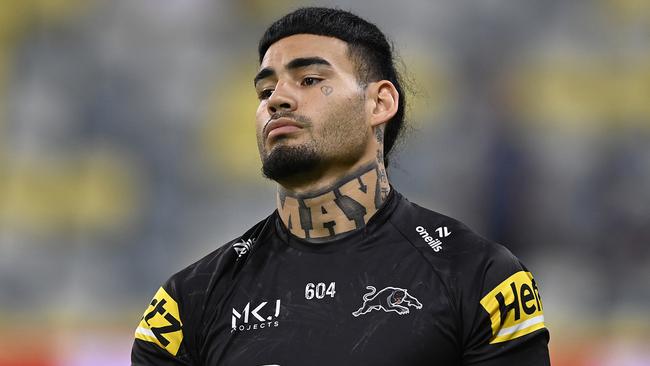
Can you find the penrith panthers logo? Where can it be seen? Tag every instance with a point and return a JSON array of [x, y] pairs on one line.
[[388, 299]]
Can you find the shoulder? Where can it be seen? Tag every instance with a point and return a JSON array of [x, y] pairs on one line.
[[471, 263], [222, 263], [443, 237], [173, 319], [495, 295]]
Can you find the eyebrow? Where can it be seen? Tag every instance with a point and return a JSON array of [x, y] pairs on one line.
[[296, 63], [306, 61]]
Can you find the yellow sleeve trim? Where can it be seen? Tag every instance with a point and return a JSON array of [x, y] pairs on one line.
[[514, 307], [161, 323]]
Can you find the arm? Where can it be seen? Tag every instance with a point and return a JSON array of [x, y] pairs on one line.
[[159, 336], [507, 319]]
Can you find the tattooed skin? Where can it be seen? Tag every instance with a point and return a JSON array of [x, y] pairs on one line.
[[382, 177], [346, 206], [326, 90]]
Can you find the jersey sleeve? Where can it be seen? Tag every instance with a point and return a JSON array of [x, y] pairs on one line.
[[159, 338], [502, 313], [172, 328]]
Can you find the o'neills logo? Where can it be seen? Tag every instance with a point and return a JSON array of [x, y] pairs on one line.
[[514, 307], [434, 243], [262, 316]]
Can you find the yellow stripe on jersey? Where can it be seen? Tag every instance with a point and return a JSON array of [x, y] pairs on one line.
[[514, 307], [161, 323]]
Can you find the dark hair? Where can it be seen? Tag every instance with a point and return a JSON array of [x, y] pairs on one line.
[[367, 46]]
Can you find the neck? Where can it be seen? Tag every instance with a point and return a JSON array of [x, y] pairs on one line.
[[346, 205]]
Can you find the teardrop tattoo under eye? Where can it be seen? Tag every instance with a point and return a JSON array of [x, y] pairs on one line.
[[326, 90]]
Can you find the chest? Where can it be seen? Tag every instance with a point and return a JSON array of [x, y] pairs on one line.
[[306, 309]]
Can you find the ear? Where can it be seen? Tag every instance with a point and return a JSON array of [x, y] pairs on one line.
[[384, 101]]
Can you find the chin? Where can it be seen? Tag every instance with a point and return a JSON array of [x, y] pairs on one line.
[[283, 140], [285, 161]]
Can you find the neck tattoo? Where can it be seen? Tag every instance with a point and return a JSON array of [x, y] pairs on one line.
[[346, 206]]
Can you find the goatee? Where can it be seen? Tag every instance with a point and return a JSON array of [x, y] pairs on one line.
[[285, 162]]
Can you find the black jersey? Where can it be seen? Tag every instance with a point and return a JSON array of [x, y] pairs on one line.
[[412, 287]]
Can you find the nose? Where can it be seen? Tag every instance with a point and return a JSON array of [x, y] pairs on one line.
[[281, 100]]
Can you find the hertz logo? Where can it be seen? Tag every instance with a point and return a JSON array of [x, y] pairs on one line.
[[161, 323], [514, 307]]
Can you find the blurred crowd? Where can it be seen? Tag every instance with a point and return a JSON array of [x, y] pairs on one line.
[[127, 152]]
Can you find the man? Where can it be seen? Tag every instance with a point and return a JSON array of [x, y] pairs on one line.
[[346, 271]]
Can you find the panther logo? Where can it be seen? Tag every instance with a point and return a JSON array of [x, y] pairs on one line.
[[387, 299]]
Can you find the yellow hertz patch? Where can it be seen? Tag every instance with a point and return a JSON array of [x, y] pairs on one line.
[[515, 307], [161, 323]]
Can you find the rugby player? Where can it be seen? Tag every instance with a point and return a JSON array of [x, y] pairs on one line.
[[346, 271]]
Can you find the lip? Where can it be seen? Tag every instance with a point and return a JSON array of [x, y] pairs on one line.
[[281, 126]]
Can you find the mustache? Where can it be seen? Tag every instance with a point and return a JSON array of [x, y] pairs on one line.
[[304, 121], [300, 119]]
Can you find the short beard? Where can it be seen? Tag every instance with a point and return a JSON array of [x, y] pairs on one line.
[[286, 162]]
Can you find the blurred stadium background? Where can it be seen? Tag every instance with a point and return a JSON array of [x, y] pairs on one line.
[[127, 152]]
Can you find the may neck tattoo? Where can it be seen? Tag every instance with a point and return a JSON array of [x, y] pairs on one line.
[[346, 206]]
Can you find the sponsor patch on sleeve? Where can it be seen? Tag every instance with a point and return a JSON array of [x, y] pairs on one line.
[[514, 307], [161, 323]]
